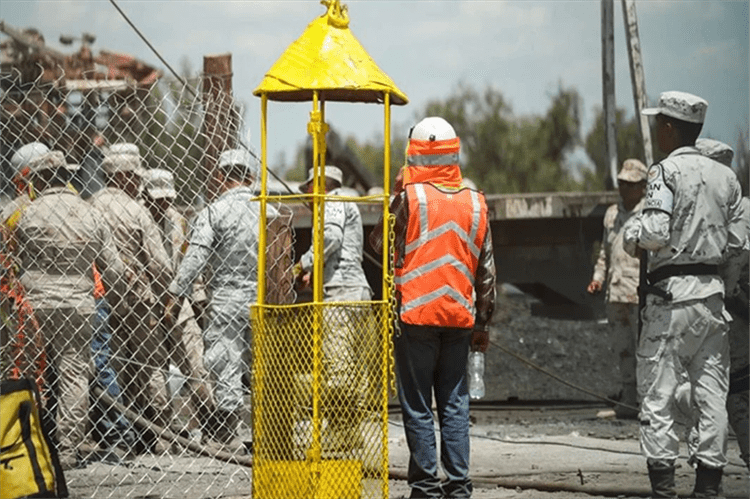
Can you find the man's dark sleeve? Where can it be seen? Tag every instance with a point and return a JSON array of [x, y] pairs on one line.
[[485, 284], [399, 208]]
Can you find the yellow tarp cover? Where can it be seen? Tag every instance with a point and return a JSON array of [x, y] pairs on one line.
[[327, 57]]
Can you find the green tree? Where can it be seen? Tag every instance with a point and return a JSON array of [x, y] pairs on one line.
[[500, 152], [509, 154]]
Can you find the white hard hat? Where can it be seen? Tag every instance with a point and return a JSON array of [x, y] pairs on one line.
[[25, 154], [432, 128]]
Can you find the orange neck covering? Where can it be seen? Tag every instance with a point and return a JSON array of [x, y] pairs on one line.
[[433, 162]]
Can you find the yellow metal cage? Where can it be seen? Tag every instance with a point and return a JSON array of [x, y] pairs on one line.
[[320, 405]]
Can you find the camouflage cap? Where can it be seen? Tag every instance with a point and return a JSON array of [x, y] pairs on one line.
[[123, 157], [680, 105], [159, 183], [716, 150], [25, 154], [331, 172], [633, 170], [239, 157], [50, 161]]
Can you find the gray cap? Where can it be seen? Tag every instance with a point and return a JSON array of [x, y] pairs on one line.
[[159, 183], [123, 157], [239, 157], [680, 105], [50, 161], [716, 150], [331, 172], [25, 154], [633, 170]]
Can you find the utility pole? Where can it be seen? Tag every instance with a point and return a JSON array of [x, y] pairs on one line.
[[608, 88], [221, 123], [637, 77]]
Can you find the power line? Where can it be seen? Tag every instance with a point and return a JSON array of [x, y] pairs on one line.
[[186, 85]]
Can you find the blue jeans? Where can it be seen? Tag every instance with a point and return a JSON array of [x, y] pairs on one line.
[[427, 358], [111, 425]]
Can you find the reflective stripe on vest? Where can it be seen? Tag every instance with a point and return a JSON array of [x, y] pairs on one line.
[[432, 152], [444, 239]]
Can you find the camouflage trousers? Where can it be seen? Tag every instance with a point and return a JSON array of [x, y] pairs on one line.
[[738, 398], [623, 322], [227, 353], [67, 335], [141, 361], [684, 341]]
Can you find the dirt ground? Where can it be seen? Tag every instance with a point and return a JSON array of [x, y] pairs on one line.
[[540, 452], [562, 453], [533, 437]]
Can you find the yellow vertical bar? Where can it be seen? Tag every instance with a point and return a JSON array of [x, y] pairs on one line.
[[257, 315], [315, 449], [263, 200], [320, 182]]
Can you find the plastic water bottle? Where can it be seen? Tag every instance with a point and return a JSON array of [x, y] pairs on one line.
[[476, 375]]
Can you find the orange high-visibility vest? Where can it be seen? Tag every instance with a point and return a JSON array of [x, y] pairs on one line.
[[444, 238]]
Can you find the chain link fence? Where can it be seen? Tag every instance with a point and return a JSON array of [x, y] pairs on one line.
[[134, 396]]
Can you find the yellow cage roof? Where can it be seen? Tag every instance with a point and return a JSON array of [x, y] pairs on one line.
[[328, 58]]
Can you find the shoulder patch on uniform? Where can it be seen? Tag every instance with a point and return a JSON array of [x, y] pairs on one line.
[[658, 194], [654, 171]]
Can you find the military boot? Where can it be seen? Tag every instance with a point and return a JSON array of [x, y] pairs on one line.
[[707, 481], [662, 480]]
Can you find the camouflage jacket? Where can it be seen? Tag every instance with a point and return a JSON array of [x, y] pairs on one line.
[[705, 225], [224, 238], [59, 236], [343, 242], [619, 270], [175, 231], [139, 243]]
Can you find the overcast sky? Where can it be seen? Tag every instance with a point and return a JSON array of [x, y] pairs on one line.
[[524, 48]]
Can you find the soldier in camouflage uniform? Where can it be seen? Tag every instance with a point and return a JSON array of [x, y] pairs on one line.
[[185, 339], [59, 237], [620, 271], [344, 336], [225, 237], [141, 357], [736, 302], [691, 221]]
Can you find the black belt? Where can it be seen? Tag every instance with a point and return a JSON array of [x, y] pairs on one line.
[[676, 270]]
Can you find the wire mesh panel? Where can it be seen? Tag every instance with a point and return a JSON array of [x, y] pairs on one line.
[[146, 391], [321, 400]]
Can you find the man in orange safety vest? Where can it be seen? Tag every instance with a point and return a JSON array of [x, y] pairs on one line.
[[445, 290]]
